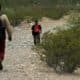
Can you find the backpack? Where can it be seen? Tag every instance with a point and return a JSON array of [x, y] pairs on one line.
[[2, 30], [36, 28]]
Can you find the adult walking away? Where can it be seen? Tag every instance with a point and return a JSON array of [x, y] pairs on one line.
[[4, 27], [36, 30]]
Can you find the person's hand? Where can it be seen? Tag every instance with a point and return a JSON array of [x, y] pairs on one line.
[[10, 38]]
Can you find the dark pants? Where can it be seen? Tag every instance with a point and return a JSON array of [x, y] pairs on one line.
[[36, 37], [2, 49]]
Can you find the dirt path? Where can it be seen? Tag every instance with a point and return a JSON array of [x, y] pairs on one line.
[[21, 63]]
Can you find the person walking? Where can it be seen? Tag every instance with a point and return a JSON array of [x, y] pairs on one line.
[[36, 30], [4, 27]]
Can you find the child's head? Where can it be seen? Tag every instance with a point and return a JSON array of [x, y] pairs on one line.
[[36, 21]]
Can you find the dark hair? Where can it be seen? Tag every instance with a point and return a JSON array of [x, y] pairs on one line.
[[36, 21]]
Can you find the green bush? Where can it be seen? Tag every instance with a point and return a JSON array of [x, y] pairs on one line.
[[62, 49], [55, 13], [11, 14], [15, 16], [74, 19]]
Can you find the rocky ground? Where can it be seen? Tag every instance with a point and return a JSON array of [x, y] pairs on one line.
[[22, 63]]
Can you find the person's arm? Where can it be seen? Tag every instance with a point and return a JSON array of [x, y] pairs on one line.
[[32, 28], [9, 28]]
